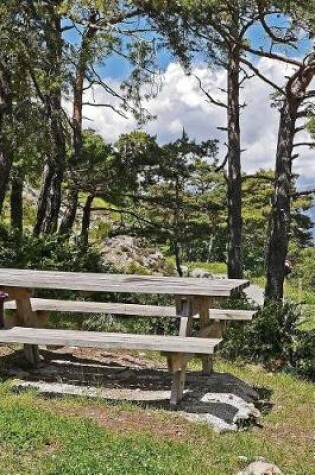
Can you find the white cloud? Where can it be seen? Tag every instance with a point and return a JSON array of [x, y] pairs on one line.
[[181, 104]]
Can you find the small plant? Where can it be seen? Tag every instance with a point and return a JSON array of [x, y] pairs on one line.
[[274, 339]]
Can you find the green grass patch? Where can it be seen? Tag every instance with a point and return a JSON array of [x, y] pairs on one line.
[[53, 437], [212, 267], [292, 292]]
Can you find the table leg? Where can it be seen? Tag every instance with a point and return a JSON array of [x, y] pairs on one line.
[[184, 309], [201, 306], [27, 318], [177, 365]]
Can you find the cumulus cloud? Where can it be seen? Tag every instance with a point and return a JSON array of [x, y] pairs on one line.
[[181, 104]]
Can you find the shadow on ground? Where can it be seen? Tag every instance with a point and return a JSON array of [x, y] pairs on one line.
[[221, 400]]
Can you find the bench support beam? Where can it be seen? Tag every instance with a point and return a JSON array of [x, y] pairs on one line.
[[27, 318], [177, 364]]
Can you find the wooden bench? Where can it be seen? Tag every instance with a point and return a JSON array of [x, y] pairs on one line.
[[43, 308], [177, 349]]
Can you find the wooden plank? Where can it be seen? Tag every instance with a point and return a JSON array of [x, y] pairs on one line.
[[178, 381], [27, 318], [184, 311], [76, 306], [201, 305], [232, 315], [11, 278], [176, 344]]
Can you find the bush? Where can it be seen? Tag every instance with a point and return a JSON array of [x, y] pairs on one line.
[[273, 338], [304, 355], [46, 253], [147, 326]]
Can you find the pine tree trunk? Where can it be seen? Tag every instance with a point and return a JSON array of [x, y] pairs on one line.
[[178, 259], [86, 219], [68, 219], [50, 197], [43, 198], [280, 214], [6, 156], [235, 266], [17, 203], [296, 93], [78, 91]]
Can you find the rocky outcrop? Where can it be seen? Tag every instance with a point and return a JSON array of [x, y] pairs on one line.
[[130, 254]]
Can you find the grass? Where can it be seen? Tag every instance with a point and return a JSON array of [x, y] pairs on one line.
[[40, 436], [291, 291], [212, 267]]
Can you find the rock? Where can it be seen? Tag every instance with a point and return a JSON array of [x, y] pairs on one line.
[[130, 254], [246, 415], [185, 271], [201, 274], [261, 467]]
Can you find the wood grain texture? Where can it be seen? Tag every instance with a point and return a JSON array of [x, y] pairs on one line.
[[76, 306], [32, 279], [36, 336]]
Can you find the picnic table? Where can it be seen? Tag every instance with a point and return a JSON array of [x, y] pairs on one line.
[[193, 299]]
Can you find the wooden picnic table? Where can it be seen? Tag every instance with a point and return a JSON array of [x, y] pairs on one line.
[[12, 279], [192, 296]]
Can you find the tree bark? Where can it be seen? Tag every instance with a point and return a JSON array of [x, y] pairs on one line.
[[78, 91], [50, 197], [235, 266], [6, 153], [281, 203], [86, 219], [68, 219], [17, 203], [178, 260], [280, 214], [43, 198]]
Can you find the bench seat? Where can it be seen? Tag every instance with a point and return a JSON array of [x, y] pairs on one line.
[[178, 350], [86, 339], [54, 305]]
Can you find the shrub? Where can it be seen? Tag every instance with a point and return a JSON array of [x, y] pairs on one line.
[[46, 253], [304, 355], [273, 338]]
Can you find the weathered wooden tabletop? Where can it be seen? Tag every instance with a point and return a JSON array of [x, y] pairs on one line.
[[33, 279]]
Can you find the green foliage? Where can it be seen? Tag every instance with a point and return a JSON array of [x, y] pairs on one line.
[[305, 268], [135, 268], [179, 200], [304, 354], [257, 195], [274, 339], [46, 253], [136, 325], [212, 267]]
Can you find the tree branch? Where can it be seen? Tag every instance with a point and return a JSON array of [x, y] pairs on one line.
[[268, 29], [109, 106], [207, 94], [303, 193], [304, 144], [261, 76]]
